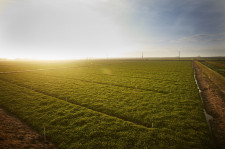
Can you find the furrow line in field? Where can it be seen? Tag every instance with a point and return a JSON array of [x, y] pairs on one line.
[[37, 70], [32, 70], [110, 84], [125, 76], [78, 104], [147, 78], [81, 67]]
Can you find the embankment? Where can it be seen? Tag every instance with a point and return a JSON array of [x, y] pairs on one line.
[[212, 86]]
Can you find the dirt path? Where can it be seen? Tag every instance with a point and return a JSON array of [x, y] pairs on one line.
[[16, 135], [214, 104]]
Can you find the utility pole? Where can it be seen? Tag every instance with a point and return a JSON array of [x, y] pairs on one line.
[[179, 54], [142, 55]]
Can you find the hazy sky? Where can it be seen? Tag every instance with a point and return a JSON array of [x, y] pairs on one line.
[[62, 29]]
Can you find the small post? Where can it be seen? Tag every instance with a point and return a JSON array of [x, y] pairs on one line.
[[44, 134], [179, 54]]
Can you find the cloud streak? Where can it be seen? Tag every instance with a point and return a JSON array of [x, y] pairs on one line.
[[201, 37]]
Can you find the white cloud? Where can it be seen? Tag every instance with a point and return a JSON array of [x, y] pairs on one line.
[[201, 37]]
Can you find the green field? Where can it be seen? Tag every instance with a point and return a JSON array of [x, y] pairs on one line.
[[108, 103], [218, 66]]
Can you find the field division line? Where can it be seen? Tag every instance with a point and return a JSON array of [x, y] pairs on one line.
[[117, 85], [78, 104]]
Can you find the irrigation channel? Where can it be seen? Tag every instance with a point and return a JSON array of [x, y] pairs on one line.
[[207, 116]]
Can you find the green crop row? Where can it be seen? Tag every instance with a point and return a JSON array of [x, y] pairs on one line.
[[143, 107], [136, 105], [164, 81], [19, 65], [72, 126], [217, 66]]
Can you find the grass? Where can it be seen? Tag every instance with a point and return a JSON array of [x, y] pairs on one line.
[[214, 76], [218, 66], [111, 104]]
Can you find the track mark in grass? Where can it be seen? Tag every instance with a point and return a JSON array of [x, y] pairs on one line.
[[109, 114], [117, 85]]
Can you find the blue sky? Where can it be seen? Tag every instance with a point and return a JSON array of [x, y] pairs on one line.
[[69, 29]]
